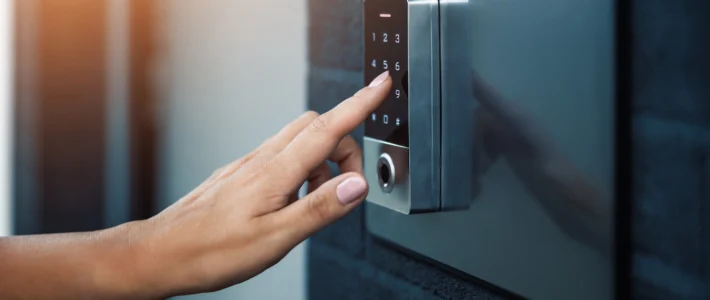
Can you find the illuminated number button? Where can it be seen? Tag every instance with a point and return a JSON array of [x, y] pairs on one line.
[[398, 93], [385, 119], [396, 38], [384, 37], [385, 65], [396, 66], [396, 122], [374, 36], [374, 63]]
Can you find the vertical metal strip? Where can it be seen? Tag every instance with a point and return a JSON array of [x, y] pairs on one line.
[[117, 177], [26, 188], [6, 116]]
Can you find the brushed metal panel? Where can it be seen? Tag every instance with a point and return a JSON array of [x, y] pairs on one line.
[[423, 186], [543, 90]]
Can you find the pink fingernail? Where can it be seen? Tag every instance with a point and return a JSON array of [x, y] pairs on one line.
[[351, 189], [380, 79]]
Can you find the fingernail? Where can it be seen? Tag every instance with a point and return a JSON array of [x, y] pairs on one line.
[[380, 79], [351, 189]]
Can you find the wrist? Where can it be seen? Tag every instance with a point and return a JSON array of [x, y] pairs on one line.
[[126, 267]]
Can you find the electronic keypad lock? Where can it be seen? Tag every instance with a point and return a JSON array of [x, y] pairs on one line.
[[419, 144]]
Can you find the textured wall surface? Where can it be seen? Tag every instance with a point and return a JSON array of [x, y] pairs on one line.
[[670, 174], [671, 142]]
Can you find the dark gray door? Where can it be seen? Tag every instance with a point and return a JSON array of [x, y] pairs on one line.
[[542, 226]]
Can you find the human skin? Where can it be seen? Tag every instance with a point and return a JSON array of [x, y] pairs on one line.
[[242, 220]]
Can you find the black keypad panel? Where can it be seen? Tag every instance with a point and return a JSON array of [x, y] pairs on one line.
[[386, 50]]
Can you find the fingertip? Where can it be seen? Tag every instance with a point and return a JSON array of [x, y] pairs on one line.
[[352, 189], [374, 94], [380, 79], [327, 204]]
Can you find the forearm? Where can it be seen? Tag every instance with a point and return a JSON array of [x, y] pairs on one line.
[[95, 265]]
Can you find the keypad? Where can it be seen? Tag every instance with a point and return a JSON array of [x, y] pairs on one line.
[[386, 50]]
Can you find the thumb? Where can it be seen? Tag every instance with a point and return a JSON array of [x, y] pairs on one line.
[[327, 204]]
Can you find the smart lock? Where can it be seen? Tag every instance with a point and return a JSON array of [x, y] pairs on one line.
[[419, 144]]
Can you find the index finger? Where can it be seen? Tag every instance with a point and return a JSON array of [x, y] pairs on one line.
[[316, 143]]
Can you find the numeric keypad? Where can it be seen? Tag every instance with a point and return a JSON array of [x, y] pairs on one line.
[[386, 50]]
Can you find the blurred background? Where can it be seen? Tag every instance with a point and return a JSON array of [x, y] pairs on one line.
[[113, 109]]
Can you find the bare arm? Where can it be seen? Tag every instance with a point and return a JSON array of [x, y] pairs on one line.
[[70, 266]]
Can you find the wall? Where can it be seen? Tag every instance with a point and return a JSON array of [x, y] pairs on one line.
[[59, 112], [70, 131], [670, 174], [671, 141], [234, 75], [6, 119]]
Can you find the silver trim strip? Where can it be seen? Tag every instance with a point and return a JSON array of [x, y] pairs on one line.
[[458, 165], [424, 105], [384, 142]]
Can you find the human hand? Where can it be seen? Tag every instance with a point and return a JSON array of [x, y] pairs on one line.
[[246, 216]]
